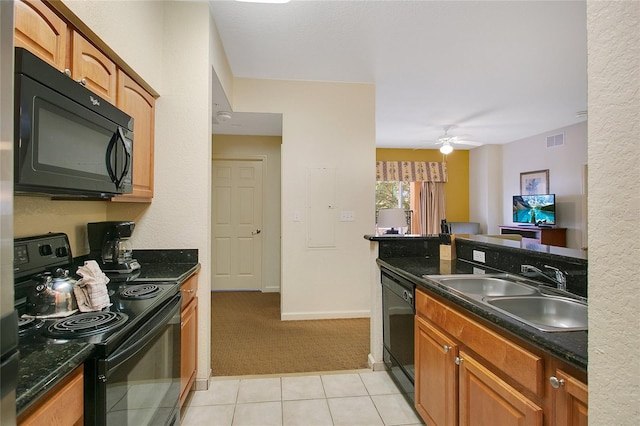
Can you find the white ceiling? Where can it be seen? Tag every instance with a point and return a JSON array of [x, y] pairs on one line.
[[491, 71]]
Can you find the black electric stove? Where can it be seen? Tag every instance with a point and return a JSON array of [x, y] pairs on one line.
[[136, 339]]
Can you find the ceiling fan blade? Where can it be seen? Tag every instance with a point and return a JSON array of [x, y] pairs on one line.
[[465, 142]]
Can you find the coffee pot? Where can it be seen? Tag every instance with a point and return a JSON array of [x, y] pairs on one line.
[[110, 246]]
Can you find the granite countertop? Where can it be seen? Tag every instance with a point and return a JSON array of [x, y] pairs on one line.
[[570, 346], [42, 366]]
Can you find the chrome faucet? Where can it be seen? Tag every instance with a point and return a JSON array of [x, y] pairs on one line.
[[560, 280]]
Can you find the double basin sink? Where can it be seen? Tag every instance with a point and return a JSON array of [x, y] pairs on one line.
[[520, 299]]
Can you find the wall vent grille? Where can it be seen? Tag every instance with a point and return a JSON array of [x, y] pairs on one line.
[[555, 140]]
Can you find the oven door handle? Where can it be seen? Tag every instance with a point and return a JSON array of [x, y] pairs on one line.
[[145, 334]]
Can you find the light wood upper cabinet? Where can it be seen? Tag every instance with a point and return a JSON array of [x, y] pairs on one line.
[[39, 30], [94, 69], [570, 397], [139, 104]]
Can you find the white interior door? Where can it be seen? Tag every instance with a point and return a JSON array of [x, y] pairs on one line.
[[237, 225]]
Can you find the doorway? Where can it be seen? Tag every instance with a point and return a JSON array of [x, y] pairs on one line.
[[237, 195], [266, 150]]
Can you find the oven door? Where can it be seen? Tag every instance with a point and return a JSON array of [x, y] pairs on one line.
[[139, 383]]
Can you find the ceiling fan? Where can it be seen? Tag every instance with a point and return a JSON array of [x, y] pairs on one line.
[[446, 141]]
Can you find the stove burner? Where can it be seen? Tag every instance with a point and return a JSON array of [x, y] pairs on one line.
[[86, 324], [143, 291], [28, 325]]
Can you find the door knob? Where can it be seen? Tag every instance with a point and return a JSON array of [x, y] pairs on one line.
[[256, 232]]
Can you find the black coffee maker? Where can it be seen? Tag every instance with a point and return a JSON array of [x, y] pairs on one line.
[[110, 246]]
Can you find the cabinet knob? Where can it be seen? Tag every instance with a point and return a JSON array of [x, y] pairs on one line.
[[555, 382], [459, 360], [188, 290], [446, 348]]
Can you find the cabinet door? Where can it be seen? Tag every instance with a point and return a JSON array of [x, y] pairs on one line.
[[139, 104], [487, 400], [571, 401], [436, 375], [93, 67], [39, 30], [188, 348]]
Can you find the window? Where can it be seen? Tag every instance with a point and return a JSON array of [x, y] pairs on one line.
[[391, 195]]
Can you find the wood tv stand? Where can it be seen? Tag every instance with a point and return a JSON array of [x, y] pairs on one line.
[[538, 234]]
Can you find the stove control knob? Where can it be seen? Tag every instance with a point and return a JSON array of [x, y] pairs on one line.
[[62, 251], [40, 287], [45, 250], [102, 378]]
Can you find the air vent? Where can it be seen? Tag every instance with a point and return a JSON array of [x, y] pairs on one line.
[[555, 140]]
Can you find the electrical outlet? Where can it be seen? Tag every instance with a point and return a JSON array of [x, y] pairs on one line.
[[347, 216], [478, 256]]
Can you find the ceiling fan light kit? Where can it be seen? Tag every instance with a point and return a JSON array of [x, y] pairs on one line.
[[446, 148]]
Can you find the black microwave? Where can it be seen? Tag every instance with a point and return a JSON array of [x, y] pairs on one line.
[[68, 141]]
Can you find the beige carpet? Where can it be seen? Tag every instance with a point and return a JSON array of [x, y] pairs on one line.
[[247, 337]]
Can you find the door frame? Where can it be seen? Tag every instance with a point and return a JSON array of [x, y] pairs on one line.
[[265, 232]]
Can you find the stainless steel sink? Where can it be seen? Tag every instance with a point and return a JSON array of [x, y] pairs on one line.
[[488, 286], [546, 313]]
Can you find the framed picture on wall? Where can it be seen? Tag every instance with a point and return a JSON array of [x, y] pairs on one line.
[[534, 183]]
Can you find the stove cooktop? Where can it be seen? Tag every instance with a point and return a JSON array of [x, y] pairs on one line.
[[132, 302]]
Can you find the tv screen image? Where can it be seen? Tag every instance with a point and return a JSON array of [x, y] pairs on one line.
[[534, 209]]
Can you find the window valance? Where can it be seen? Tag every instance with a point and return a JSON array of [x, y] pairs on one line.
[[411, 171]]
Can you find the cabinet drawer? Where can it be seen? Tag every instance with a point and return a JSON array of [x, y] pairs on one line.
[[519, 364], [189, 289]]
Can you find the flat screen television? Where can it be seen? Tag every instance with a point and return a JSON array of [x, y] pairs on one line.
[[534, 209]]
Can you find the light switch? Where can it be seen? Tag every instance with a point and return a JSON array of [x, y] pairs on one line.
[[297, 216]]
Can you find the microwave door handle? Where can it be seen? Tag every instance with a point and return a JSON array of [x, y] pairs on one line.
[[127, 158], [112, 144]]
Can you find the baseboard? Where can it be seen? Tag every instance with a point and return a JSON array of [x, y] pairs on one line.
[[324, 315], [376, 365], [202, 384]]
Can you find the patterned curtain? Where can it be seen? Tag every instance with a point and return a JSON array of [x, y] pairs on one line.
[[411, 171]]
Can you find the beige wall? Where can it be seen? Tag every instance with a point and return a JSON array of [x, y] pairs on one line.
[[614, 202], [332, 126], [176, 59], [267, 149]]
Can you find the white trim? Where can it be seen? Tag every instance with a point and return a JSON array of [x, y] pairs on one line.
[[325, 315]]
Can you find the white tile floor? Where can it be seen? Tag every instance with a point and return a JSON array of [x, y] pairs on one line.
[[343, 398]]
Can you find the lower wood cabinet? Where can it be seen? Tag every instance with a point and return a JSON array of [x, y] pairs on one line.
[[189, 337], [570, 398], [62, 405], [436, 379], [467, 373], [485, 399]]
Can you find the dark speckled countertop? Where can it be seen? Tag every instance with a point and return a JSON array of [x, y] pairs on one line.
[[568, 346], [43, 366]]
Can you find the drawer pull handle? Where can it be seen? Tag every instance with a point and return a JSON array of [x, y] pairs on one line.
[[555, 382], [188, 290], [446, 348], [459, 360]]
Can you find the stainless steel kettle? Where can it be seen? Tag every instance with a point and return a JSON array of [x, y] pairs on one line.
[[53, 294]]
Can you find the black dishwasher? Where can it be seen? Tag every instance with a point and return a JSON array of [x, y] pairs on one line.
[[398, 312]]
